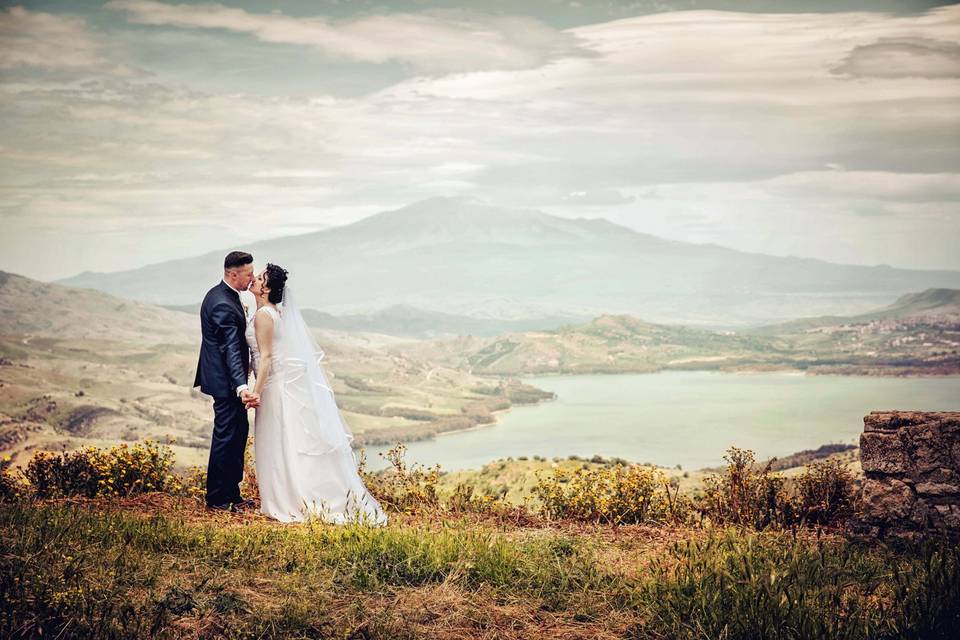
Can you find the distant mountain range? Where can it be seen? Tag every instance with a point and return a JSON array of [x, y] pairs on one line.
[[409, 322], [937, 302], [464, 258], [919, 335], [40, 308]]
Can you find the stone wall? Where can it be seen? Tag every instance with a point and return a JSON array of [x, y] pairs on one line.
[[911, 465]]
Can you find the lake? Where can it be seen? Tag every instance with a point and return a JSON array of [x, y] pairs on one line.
[[686, 418]]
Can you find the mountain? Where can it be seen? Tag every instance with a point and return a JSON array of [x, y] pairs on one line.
[[930, 303], [918, 335], [410, 322], [39, 308], [460, 256]]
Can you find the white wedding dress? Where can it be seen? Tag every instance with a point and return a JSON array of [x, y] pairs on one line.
[[303, 458]]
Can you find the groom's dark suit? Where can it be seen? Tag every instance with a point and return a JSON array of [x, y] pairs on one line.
[[224, 365]]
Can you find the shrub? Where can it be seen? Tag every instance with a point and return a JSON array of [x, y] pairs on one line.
[[121, 470], [825, 493], [11, 489], [138, 469], [743, 496], [615, 495], [194, 484], [464, 499], [400, 488], [74, 473]]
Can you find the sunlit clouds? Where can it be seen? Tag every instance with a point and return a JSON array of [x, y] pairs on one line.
[[824, 135]]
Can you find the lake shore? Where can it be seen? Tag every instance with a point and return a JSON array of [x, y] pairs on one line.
[[645, 419]]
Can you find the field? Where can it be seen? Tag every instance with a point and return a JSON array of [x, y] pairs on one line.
[[158, 565]]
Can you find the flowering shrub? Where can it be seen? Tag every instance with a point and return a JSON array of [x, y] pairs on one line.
[[10, 488], [617, 494], [400, 488], [137, 469], [743, 495], [465, 499], [194, 484], [825, 493], [121, 470], [74, 473]]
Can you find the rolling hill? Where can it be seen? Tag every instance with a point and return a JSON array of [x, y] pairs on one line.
[[463, 257], [929, 303], [79, 367], [405, 321], [918, 335], [32, 307]]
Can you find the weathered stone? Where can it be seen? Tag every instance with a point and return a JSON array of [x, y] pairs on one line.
[[942, 475], [949, 515], [925, 449], [887, 498], [919, 514], [911, 465], [937, 489], [891, 420], [894, 420], [882, 452]]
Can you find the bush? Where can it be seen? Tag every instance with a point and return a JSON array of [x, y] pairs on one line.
[[400, 488], [464, 499], [614, 495], [11, 489], [826, 493], [121, 470], [743, 496]]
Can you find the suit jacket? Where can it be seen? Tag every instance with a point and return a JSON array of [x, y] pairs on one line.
[[224, 355]]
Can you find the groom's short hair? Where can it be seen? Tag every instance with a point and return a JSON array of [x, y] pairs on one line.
[[236, 259]]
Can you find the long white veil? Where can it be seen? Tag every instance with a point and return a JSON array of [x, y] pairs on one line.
[[310, 409]]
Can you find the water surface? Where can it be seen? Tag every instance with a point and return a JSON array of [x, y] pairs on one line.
[[688, 418]]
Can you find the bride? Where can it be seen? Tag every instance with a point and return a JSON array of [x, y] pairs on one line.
[[304, 463]]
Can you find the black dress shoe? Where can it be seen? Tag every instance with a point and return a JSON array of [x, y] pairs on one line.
[[244, 505], [226, 506]]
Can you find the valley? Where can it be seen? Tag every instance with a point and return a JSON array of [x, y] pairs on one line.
[[79, 367]]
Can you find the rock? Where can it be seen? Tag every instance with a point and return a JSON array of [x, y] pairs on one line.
[[949, 514], [911, 465], [882, 452], [937, 489], [886, 499]]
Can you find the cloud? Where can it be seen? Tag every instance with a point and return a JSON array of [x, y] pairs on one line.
[[433, 41], [721, 127], [871, 185], [51, 42], [903, 58], [601, 197]]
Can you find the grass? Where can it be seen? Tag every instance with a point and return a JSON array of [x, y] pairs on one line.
[[160, 567]]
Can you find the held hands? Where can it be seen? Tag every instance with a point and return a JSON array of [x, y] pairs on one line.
[[250, 400]]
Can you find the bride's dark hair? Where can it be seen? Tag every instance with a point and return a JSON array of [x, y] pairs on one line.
[[276, 280]]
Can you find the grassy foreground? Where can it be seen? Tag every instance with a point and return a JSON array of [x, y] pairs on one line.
[[110, 543], [160, 566]]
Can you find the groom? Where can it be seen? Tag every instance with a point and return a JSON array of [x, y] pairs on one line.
[[222, 373]]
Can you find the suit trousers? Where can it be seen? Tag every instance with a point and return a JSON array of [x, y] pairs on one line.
[[225, 468]]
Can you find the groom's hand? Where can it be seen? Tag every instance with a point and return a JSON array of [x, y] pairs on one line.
[[250, 399]]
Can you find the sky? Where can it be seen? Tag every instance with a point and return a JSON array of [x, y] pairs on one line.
[[138, 131]]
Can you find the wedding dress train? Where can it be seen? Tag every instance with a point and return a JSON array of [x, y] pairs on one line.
[[303, 458]]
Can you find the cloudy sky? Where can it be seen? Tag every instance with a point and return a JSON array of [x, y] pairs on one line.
[[133, 131]]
